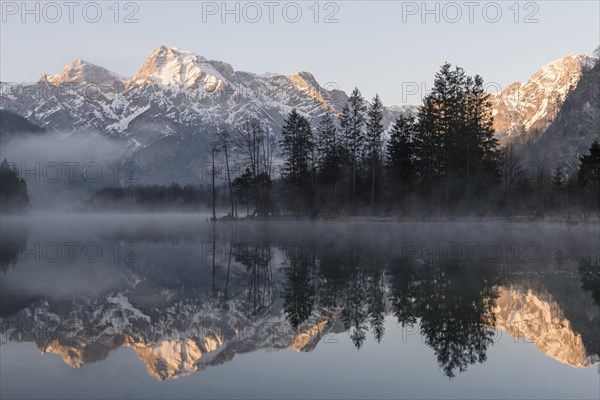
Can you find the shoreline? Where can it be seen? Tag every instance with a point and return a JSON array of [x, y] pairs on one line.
[[442, 219], [517, 219]]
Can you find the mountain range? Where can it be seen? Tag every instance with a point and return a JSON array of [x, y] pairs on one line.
[[173, 91], [176, 100]]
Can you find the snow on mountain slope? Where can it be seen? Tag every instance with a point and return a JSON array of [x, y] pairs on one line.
[[169, 109], [574, 128], [522, 109], [173, 67], [173, 90], [83, 72]]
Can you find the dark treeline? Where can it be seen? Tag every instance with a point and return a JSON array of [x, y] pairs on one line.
[[14, 197], [442, 161], [150, 198]]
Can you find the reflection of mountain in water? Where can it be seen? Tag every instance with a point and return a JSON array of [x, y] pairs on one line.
[[182, 310], [536, 318], [185, 338]]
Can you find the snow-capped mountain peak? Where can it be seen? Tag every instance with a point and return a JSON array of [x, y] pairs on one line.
[[80, 71], [170, 66], [522, 108], [175, 102]]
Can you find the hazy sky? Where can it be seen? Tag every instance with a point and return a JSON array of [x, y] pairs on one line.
[[378, 46]]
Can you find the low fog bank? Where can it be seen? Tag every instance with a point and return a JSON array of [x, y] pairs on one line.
[[53, 254], [88, 171], [63, 169]]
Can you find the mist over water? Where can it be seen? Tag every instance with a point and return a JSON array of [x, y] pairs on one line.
[[198, 301], [226, 220]]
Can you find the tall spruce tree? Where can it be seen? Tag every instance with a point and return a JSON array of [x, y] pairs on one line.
[[589, 175], [589, 167], [373, 141], [297, 150], [400, 157], [353, 121], [482, 157], [455, 138], [429, 148], [328, 149]]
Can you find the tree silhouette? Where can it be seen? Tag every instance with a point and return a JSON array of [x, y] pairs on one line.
[[14, 197]]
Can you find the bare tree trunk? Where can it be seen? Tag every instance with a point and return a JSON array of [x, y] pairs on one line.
[[214, 244], [373, 185], [354, 186], [214, 215], [229, 264], [228, 173]]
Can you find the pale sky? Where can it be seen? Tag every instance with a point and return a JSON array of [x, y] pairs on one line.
[[380, 46]]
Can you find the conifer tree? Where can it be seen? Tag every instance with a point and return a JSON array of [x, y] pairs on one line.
[[589, 167], [13, 189], [482, 158], [297, 150], [328, 149], [353, 121], [589, 174], [373, 139], [558, 179], [455, 138], [400, 156]]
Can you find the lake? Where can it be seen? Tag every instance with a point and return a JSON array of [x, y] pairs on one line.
[[174, 306]]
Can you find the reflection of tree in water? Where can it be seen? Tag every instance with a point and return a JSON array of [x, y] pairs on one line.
[[456, 316], [354, 312], [299, 289], [454, 305], [590, 278], [404, 288], [590, 282], [376, 304], [12, 243], [257, 259], [331, 270], [375, 283]]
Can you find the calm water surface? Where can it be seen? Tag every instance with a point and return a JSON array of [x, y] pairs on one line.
[[173, 306]]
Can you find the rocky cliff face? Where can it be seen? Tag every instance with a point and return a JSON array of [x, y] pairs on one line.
[[576, 126], [525, 109]]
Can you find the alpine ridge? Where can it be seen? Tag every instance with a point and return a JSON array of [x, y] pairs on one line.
[[524, 109], [177, 100], [171, 107]]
